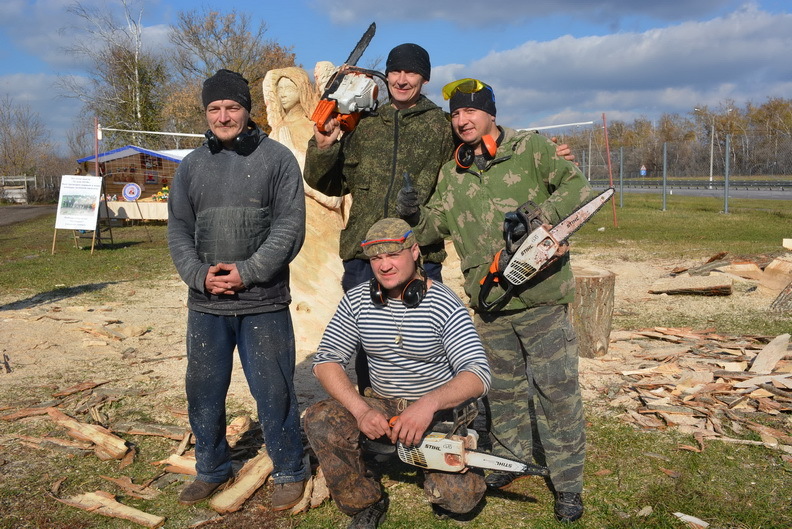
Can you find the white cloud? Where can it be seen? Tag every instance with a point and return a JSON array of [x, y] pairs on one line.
[[742, 56], [41, 95]]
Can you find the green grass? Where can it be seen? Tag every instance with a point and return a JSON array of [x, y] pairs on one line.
[[690, 227], [30, 268]]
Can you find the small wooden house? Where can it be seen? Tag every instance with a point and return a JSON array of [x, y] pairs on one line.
[[151, 170]]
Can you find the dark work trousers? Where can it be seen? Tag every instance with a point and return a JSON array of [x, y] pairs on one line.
[[266, 351], [357, 271], [335, 438]]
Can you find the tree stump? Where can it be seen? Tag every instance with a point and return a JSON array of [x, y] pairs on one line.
[[592, 309]]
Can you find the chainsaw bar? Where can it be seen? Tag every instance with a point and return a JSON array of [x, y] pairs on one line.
[[539, 247], [361, 46], [572, 223], [477, 459]]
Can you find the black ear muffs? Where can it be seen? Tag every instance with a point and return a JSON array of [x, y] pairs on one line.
[[244, 144], [465, 156], [412, 295]]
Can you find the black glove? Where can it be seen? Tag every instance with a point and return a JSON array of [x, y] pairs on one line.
[[407, 202]]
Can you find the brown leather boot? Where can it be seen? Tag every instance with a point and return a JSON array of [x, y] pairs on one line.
[[287, 495], [199, 490]]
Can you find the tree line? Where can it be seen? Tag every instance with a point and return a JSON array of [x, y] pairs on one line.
[[692, 145]]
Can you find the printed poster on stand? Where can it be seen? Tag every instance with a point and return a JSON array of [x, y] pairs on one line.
[[78, 204]]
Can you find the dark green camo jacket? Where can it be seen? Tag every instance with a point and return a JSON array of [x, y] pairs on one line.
[[369, 163], [469, 207]]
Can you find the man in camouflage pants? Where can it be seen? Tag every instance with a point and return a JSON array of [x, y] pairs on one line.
[[530, 343]]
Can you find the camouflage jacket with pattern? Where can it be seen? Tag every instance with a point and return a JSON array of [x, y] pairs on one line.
[[369, 163], [468, 207]]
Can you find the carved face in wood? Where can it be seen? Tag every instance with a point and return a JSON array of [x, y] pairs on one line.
[[288, 94]]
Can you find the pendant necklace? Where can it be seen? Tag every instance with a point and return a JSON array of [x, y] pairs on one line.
[[398, 339]]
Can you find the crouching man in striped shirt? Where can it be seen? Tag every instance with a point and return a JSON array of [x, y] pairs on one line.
[[424, 357]]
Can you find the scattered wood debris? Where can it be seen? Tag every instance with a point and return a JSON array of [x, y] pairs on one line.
[[705, 385], [107, 446]]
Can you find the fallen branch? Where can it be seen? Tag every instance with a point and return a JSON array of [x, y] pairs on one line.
[[104, 503]]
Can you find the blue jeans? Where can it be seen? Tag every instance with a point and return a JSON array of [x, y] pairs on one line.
[[266, 351]]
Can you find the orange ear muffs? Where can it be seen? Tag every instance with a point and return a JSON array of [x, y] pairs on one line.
[[465, 156], [490, 145]]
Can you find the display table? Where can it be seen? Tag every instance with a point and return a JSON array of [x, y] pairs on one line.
[[141, 210]]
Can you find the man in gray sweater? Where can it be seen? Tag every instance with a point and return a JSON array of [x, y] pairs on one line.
[[236, 218]]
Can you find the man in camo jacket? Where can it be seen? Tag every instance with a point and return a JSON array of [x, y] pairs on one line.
[[529, 339]]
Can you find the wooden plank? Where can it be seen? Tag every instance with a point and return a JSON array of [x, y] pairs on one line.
[[770, 355], [699, 285]]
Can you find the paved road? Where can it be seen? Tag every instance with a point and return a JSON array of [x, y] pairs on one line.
[[19, 213], [764, 194]]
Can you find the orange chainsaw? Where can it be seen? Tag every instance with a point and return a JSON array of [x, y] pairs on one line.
[[350, 91]]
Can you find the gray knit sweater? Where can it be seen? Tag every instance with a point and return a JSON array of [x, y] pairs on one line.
[[248, 210]]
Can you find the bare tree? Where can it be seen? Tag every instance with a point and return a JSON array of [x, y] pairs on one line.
[[24, 140], [208, 40], [126, 82]]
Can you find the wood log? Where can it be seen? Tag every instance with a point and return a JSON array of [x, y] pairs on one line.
[[592, 310], [247, 482], [108, 446], [104, 503]]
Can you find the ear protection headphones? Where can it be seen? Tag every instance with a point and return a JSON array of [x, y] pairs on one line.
[[244, 144], [412, 295], [465, 156]]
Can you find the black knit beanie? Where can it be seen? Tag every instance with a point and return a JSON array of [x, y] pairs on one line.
[[484, 100], [410, 58], [226, 84]]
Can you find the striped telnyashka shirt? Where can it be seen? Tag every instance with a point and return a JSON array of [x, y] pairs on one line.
[[411, 350]]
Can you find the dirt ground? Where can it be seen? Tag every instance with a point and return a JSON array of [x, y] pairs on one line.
[[139, 337]]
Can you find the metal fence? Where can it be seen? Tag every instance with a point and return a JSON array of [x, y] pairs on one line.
[[755, 158]]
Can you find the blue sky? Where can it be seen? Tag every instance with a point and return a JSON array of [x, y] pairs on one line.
[[549, 61]]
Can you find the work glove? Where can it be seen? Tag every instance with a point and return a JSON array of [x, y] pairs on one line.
[[407, 202]]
